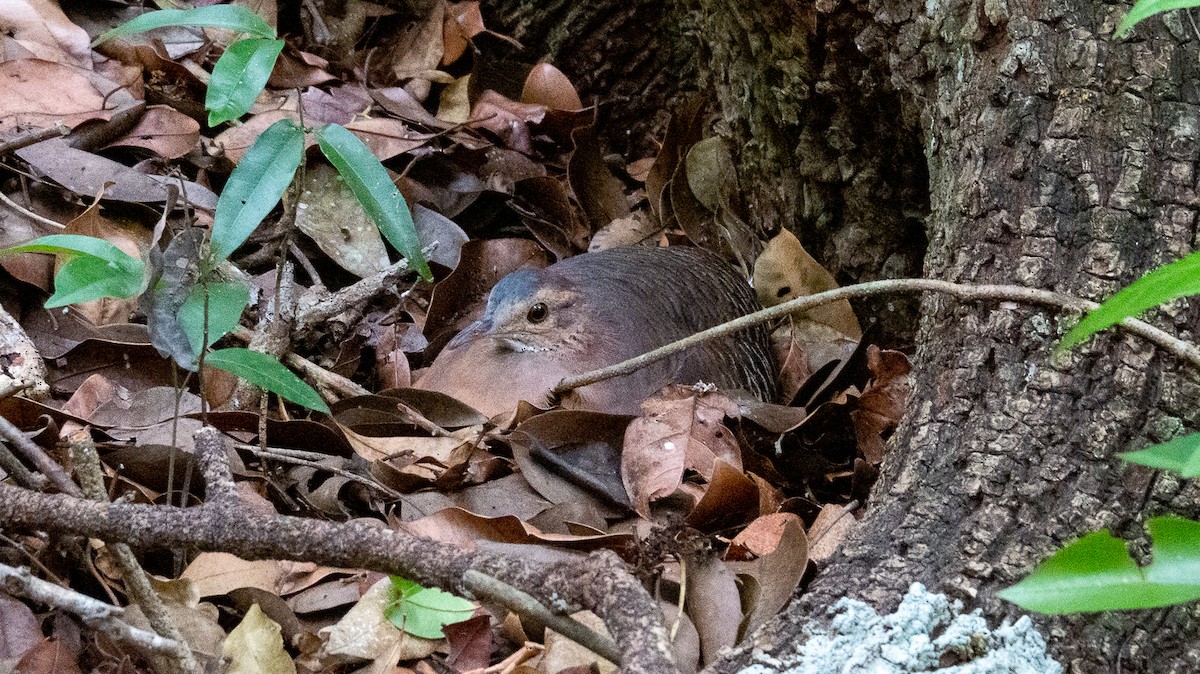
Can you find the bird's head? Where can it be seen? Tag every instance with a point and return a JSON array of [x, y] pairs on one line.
[[528, 311]]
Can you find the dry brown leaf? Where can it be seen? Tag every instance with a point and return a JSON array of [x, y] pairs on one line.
[[164, 131], [330, 214], [196, 621], [803, 346], [327, 595], [391, 364], [470, 643], [144, 407], [588, 442], [21, 629], [297, 69], [440, 449], [39, 93], [546, 209], [562, 653], [548, 86], [672, 436], [416, 50], [93, 392], [234, 141], [463, 528], [731, 498], [831, 527], [509, 495], [882, 403], [400, 103], [49, 656], [87, 175], [217, 573], [712, 603], [463, 21], [782, 547], [387, 138], [785, 271], [41, 27], [597, 189], [509, 120], [256, 645], [454, 105], [682, 132], [631, 230]]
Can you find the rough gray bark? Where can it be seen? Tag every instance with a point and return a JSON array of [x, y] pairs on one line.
[[1057, 159], [1035, 150]]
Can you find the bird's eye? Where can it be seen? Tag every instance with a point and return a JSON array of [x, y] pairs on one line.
[[537, 313]]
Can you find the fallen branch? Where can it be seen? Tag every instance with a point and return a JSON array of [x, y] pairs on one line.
[[599, 583]]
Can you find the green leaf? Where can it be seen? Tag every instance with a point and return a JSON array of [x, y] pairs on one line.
[[229, 17], [256, 185], [369, 181], [267, 373], [93, 268], [1181, 455], [1096, 573], [422, 611], [238, 77], [1144, 9], [85, 278], [226, 301], [1178, 279], [70, 245]]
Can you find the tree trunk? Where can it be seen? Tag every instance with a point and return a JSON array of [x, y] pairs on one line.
[[1033, 149]]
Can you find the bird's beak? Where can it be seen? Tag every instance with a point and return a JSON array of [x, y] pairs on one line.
[[480, 328]]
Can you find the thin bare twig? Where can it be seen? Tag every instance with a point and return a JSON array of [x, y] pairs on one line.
[[968, 292], [34, 454], [286, 456], [485, 587], [30, 214], [32, 137], [105, 617]]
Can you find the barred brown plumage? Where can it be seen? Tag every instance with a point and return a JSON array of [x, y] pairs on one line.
[[597, 309]]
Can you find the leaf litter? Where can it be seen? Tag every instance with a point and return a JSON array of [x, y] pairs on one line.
[[723, 504]]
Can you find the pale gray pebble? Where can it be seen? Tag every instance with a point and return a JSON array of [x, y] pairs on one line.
[[860, 641]]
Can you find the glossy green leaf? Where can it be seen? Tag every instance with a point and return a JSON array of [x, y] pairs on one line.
[[371, 185], [1096, 573], [229, 17], [238, 77], [1181, 455], [423, 611], [85, 278], [226, 301], [256, 185], [1178, 279], [78, 244], [267, 373], [1144, 9], [93, 268]]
